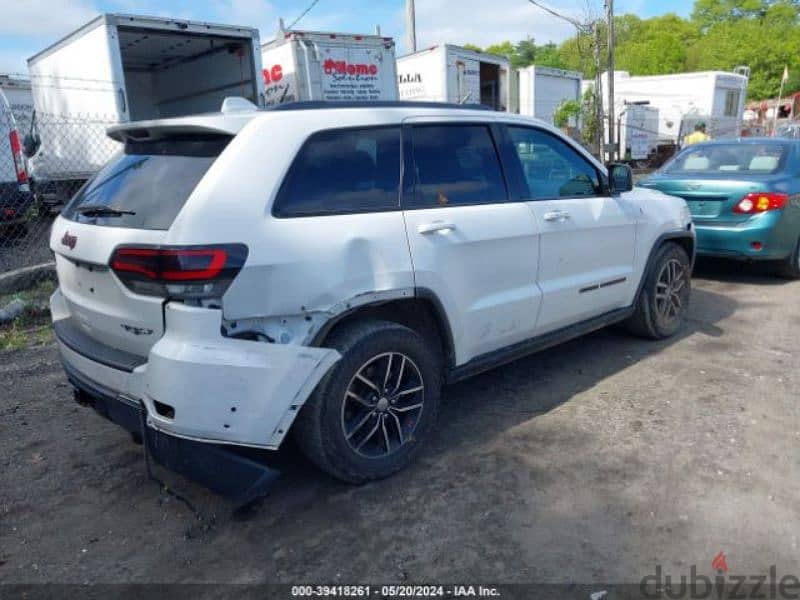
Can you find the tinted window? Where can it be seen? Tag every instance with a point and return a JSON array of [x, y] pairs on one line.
[[729, 158], [341, 171], [456, 164], [551, 167], [152, 180]]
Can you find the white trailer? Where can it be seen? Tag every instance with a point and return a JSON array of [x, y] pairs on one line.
[[332, 67], [447, 73], [543, 89], [119, 68], [637, 131], [715, 97], [16, 108]]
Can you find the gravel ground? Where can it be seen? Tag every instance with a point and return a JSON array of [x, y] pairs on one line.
[[591, 462]]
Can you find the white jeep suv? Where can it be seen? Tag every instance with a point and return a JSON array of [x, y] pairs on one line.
[[325, 269]]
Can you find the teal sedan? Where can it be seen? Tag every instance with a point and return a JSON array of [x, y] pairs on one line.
[[744, 196]]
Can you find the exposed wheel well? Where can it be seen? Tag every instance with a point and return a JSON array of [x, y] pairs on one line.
[[420, 314]]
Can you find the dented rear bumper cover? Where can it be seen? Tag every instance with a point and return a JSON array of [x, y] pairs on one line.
[[198, 386]]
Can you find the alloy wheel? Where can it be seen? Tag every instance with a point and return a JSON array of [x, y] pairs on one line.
[[669, 286], [383, 405]]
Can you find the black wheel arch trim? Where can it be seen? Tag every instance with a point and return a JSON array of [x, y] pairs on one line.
[[675, 234], [420, 293]]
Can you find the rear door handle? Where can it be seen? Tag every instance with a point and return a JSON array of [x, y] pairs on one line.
[[556, 215], [425, 228]]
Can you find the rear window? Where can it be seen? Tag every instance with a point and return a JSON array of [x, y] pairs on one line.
[[148, 182], [730, 158], [343, 171]]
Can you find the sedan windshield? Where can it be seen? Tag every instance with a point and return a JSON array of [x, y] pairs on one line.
[[759, 159]]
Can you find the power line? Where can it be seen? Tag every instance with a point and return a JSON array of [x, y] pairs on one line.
[[582, 27], [303, 14]]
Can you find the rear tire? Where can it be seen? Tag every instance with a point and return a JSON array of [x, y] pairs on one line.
[[790, 266], [664, 297], [360, 423]]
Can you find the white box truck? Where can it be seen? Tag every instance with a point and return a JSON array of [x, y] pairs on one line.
[[682, 99], [543, 89], [331, 67], [447, 73], [119, 68]]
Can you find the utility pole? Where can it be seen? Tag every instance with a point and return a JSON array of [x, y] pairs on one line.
[[411, 28], [598, 92], [587, 28], [611, 43]]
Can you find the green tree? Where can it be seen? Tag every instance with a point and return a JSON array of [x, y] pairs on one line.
[[707, 13], [565, 111]]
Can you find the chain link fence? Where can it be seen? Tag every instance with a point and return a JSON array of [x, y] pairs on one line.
[[58, 154], [44, 160]]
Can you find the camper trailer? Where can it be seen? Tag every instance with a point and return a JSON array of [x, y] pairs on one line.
[[714, 97], [448, 73]]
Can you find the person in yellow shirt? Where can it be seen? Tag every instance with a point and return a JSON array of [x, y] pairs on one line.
[[698, 136]]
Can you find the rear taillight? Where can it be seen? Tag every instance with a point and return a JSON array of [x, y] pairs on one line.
[[19, 159], [183, 272], [759, 202]]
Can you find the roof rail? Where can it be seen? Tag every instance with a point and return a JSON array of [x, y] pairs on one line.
[[320, 104]]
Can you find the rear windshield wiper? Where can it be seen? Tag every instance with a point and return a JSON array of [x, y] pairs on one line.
[[99, 210]]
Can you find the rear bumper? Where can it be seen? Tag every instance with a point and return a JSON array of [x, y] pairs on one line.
[[214, 466], [195, 385], [736, 240]]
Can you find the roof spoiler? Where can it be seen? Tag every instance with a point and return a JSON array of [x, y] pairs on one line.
[[148, 131]]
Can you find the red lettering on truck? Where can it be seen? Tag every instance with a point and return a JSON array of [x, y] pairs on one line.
[[273, 74], [342, 67]]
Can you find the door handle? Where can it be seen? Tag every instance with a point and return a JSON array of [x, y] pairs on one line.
[[556, 215], [425, 228]]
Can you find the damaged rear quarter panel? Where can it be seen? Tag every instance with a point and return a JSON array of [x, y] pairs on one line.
[[299, 269]]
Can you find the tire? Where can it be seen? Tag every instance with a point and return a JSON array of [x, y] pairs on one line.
[[790, 266], [332, 426], [657, 317]]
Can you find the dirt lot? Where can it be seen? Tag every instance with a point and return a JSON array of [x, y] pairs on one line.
[[593, 461]]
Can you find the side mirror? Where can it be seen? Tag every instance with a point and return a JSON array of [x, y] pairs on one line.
[[620, 178], [30, 144]]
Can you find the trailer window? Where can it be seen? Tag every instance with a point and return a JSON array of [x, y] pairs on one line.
[[732, 103], [456, 165], [343, 171], [147, 183]]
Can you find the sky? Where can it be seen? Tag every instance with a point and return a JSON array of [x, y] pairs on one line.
[[28, 26]]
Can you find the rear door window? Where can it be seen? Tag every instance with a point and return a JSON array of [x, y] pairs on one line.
[[148, 183], [456, 165], [342, 171]]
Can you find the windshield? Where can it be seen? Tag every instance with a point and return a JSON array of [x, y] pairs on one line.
[[760, 159], [146, 185]]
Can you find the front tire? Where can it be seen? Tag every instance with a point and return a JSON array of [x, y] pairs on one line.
[[371, 413], [664, 297]]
